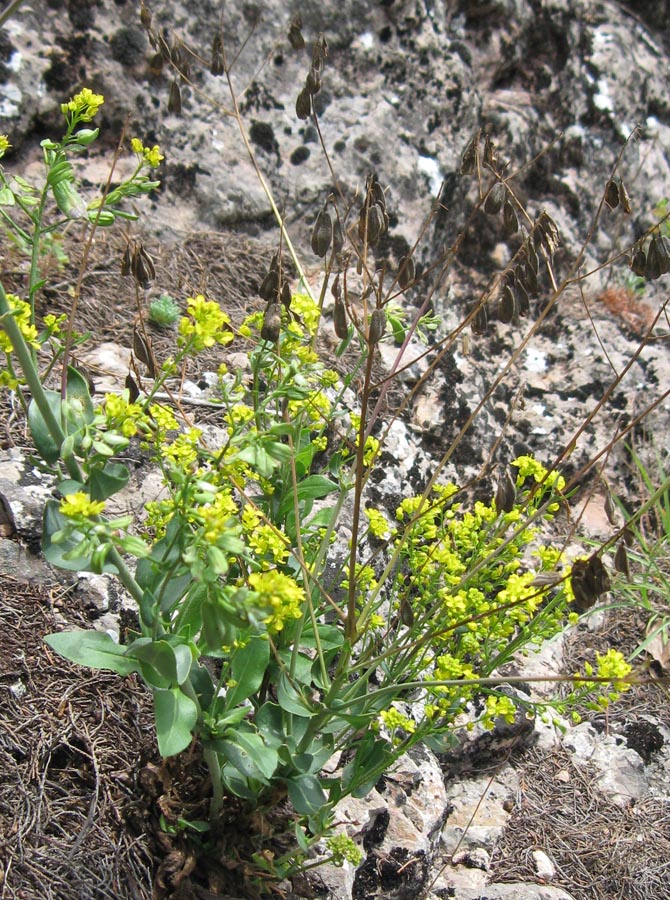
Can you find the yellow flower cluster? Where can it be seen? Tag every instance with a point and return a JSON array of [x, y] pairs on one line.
[[22, 315], [83, 106], [151, 156], [80, 504], [205, 325], [280, 595], [4, 145], [394, 719], [264, 540]]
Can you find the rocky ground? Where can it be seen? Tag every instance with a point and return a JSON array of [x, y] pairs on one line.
[[560, 87]]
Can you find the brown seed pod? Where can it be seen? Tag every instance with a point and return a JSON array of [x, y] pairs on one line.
[[589, 580], [660, 245], [142, 267], [376, 193], [126, 261], [377, 326], [338, 236], [286, 295], [216, 64], [319, 53], [313, 82], [295, 38], [143, 352], [532, 258], [340, 320], [269, 286], [271, 323], [505, 492], [490, 154], [624, 199], [506, 305], [621, 560], [335, 288], [638, 260], [653, 267], [374, 224], [133, 390], [480, 320], [612, 194], [406, 613], [510, 219], [174, 99], [145, 16], [495, 199], [406, 272], [322, 233], [546, 233], [303, 104], [530, 280], [470, 158], [522, 297]]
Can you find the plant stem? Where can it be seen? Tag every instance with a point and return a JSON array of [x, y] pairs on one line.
[[214, 766]]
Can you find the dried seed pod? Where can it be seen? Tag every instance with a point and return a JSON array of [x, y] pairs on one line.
[[532, 258], [340, 320], [376, 193], [133, 390], [653, 266], [638, 260], [470, 158], [335, 288], [271, 323], [143, 352], [295, 38], [628, 536], [609, 508], [406, 272], [510, 219], [480, 320], [174, 99], [319, 53], [145, 16], [506, 305], [322, 233], [142, 267], [285, 295], [530, 280], [126, 261], [612, 194], [338, 236], [406, 613], [269, 286], [589, 580], [303, 104], [216, 64], [624, 199], [621, 560], [377, 326], [490, 154], [313, 82], [274, 262], [372, 224], [547, 233], [522, 297], [505, 492], [495, 199], [660, 246]]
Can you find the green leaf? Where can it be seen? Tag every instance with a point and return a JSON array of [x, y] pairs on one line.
[[242, 754], [172, 662], [45, 443], [311, 488], [176, 716], [95, 649], [265, 758], [306, 794], [291, 700], [247, 669], [270, 721], [103, 483]]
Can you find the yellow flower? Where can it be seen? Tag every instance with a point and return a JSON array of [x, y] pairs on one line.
[[4, 144], [80, 504], [280, 594], [205, 325], [152, 156], [22, 316], [83, 105]]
